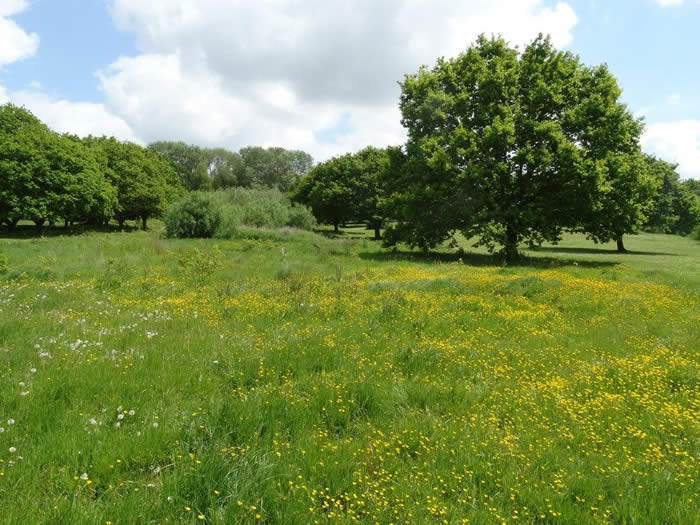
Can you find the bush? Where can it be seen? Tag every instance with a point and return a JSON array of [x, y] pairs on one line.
[[695, 234], [226, 213], [195, 215], [4, 264], [302, 218]]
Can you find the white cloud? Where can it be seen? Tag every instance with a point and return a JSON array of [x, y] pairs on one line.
[[276, 72], [80, 118], [280, 72], [15, 43], [676, 142], [666, 3]]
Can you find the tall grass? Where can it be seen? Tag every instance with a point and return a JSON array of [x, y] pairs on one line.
[[291, 378]]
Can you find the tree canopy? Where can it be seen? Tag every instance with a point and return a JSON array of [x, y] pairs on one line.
[[45, 176], [145, 182], [348, 187], [514, 147], [676, 207], [218, 168]]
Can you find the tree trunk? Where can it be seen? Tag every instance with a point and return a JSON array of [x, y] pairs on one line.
[[121, 224], [335, 227], [511, 247], [12, 224], [39, 224], [377, 233], [143, 220], [620, 244]]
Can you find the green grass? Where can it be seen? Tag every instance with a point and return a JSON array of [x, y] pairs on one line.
[[292, 378]]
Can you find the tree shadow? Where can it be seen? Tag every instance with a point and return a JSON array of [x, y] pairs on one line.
[[29, 231], [330, 234], [481, 259], [595, 251]]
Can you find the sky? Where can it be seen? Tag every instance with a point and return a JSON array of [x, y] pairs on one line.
[[320, 75]]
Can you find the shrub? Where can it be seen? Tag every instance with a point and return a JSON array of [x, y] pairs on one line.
[[4, 264], [195, 215], [302, 218], [226, 213]]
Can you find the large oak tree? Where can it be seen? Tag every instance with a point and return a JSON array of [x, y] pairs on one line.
[[513, 147]]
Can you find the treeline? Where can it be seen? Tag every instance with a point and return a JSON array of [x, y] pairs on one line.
[[48, 178], [202, 169]]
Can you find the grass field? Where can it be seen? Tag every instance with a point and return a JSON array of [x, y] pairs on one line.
[[294, 378]]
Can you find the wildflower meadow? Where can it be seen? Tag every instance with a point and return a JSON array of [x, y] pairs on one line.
[[292, 378]]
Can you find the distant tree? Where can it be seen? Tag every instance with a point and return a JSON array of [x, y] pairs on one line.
[[146, 182], [225, 168], [330, 190], [618, 194], [692, 185], [189, 161], [87, 196], [675, 207], [374, 164], [274, 167], [499, 148], [346, 188], [300, 164]]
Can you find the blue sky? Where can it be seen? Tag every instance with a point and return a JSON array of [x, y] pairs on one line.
[[174, 69], [78, 37]]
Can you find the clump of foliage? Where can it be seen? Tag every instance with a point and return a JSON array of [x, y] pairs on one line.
[[224, 213], [145, 182], [4, 264], [205, 169], [261, 208], [195, 215], [675, 207], [47, 177], [345, 188]]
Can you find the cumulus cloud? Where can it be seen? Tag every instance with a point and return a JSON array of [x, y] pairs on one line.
[[15, 43], [80, 118], [232, 72], [317, 75], [676, 142]]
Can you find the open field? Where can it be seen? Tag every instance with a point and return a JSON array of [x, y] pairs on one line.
[[300, 379]]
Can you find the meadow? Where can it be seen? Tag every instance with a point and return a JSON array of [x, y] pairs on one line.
[[287, 377]]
